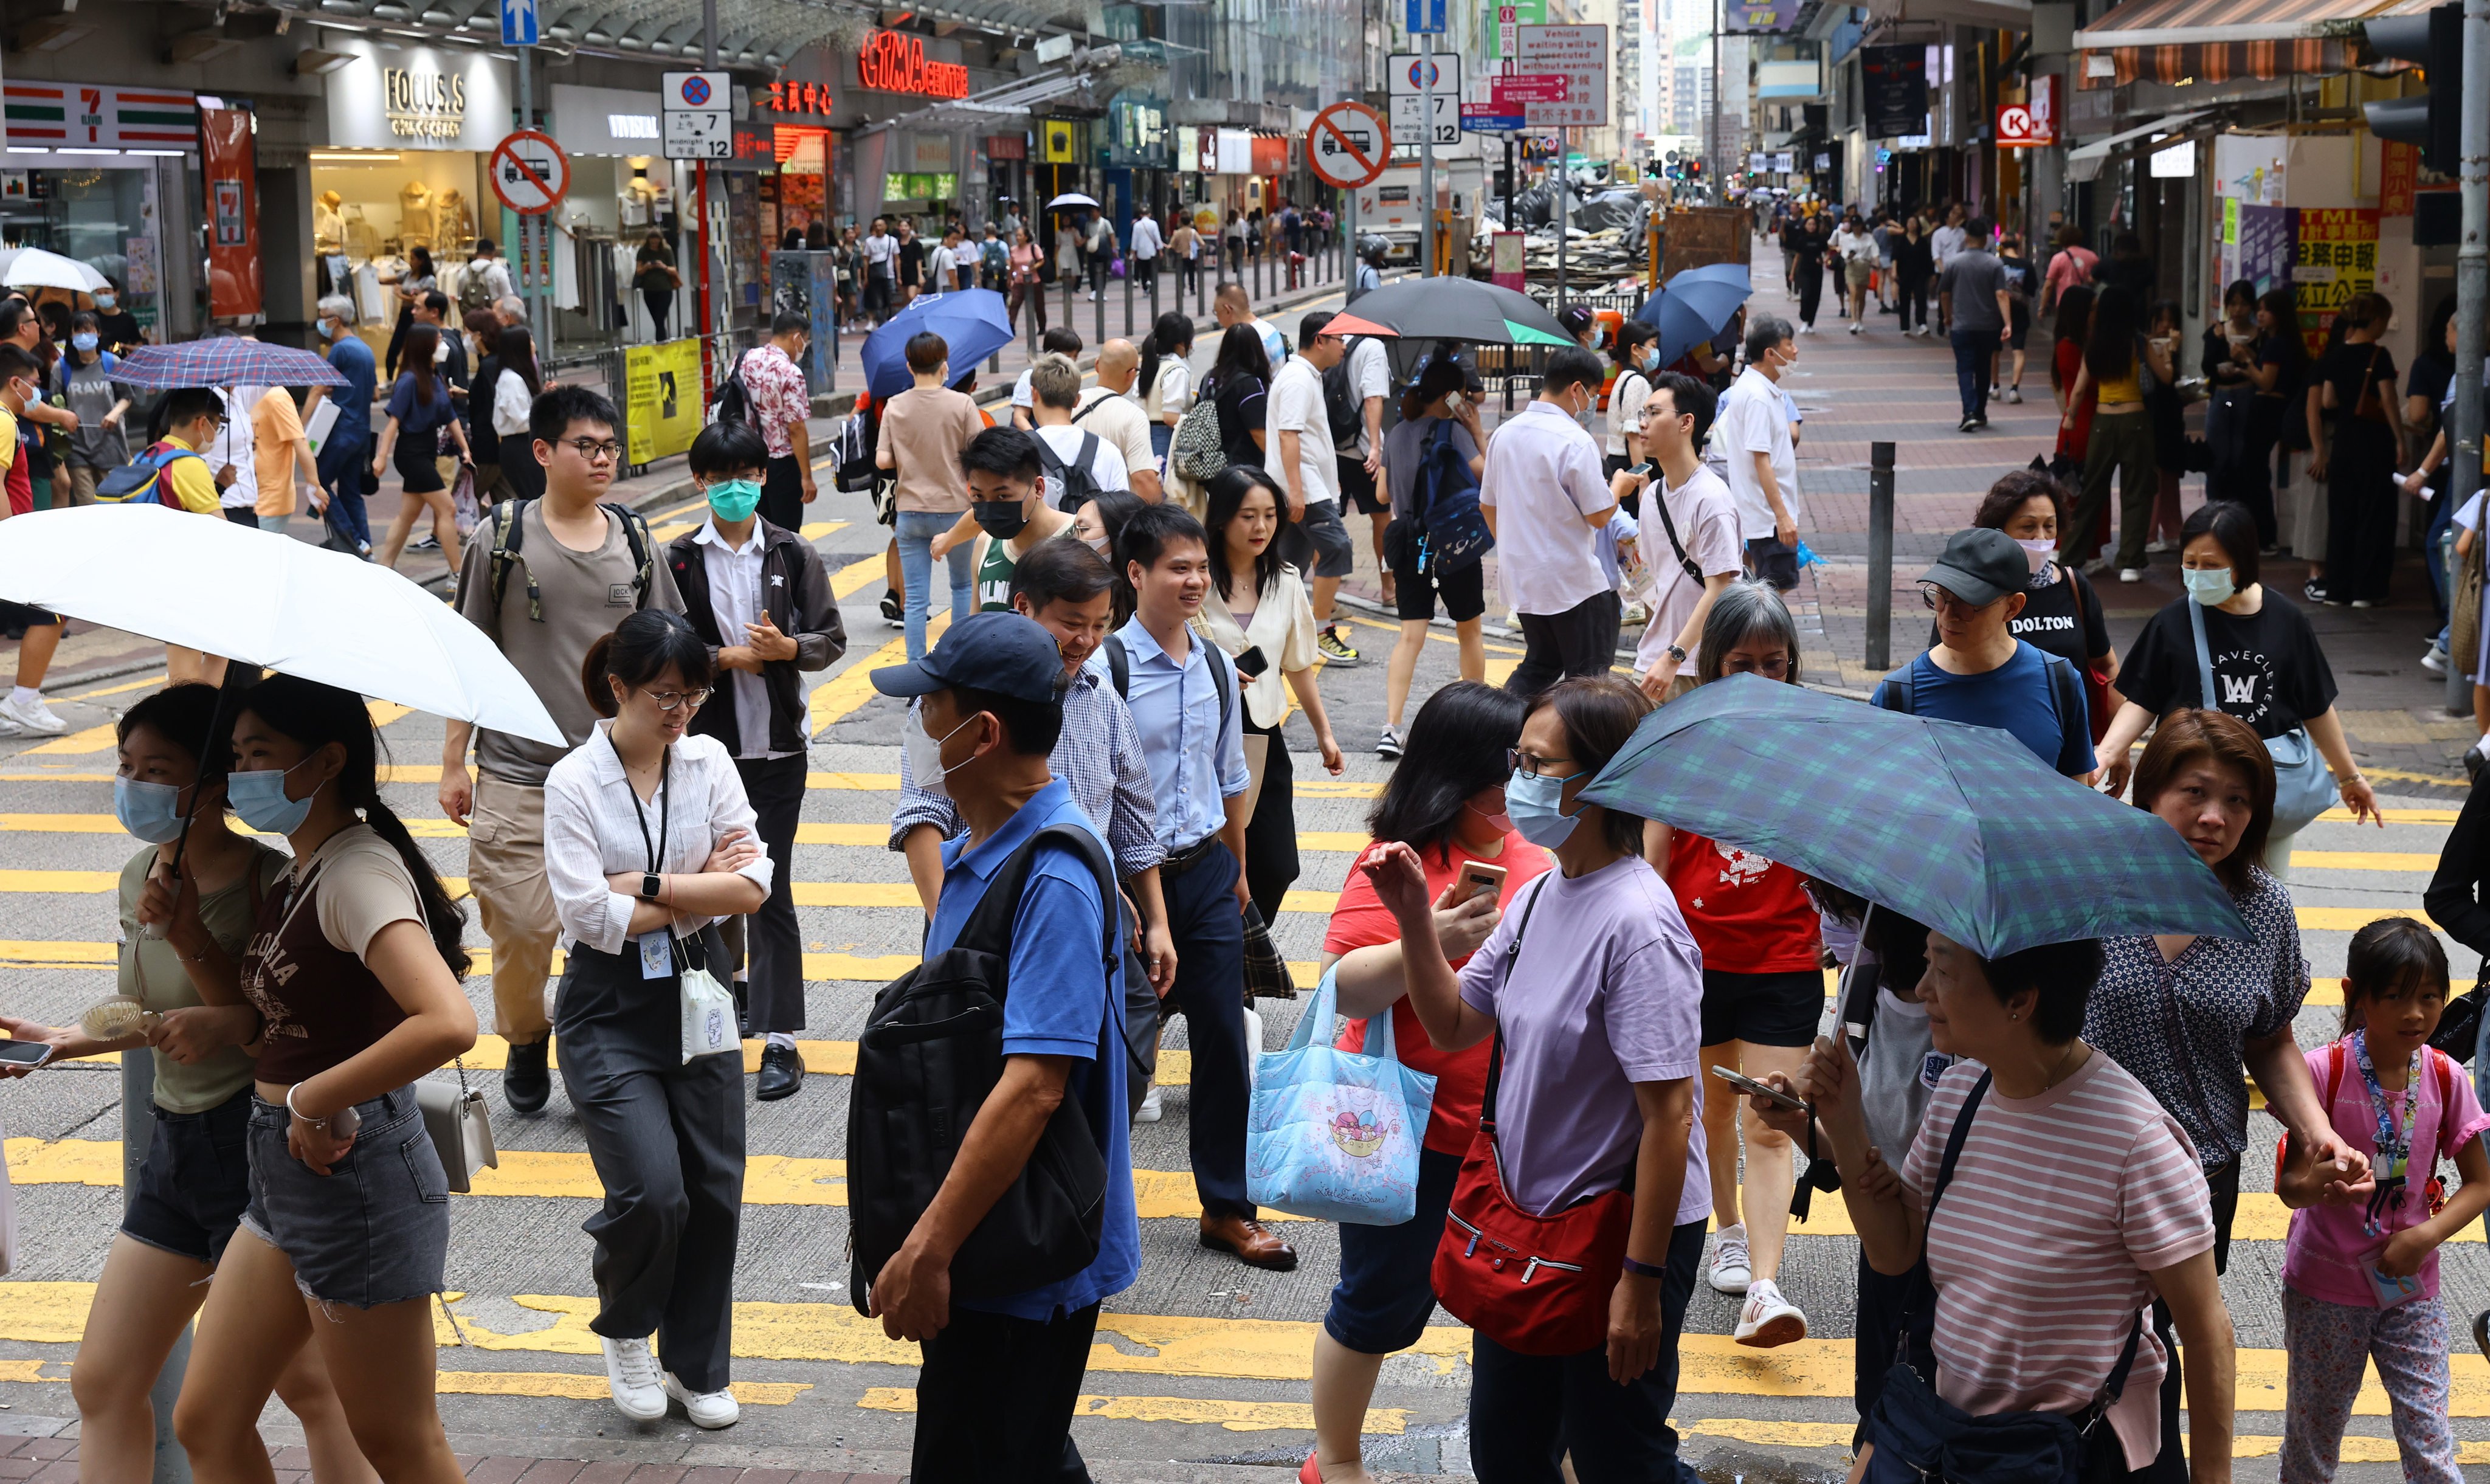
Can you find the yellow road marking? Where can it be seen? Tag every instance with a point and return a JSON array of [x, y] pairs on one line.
[[92, 740], [1434, 635], [576, 1387], [857, 577], [2356, 1449], [122, 688], [2394, 816], [2351, 920], [852, 687], [1178, 1345], [850, 782], [2364, 860], [1207, 1411]]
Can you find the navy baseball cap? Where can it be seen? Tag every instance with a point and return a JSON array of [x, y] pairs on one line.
[[1004, 653]]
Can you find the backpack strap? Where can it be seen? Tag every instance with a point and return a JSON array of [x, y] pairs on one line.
[[1495, 1055], [1660, 503], [989, 927], [1898, 692], [1082, 412], [2069, 694], [1119, 668], [1119, 660], [507, 537], [643, 544], [1222, 682]]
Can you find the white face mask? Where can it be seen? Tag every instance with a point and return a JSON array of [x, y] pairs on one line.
[[924, 753]]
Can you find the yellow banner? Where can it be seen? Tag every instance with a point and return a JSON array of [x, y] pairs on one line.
[[661, 398]]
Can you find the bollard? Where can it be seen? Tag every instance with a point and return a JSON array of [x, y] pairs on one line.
[[2459, 671], [137, 1130], [1157, 273], [1071, 286], [1880, 557], [1129, 271]]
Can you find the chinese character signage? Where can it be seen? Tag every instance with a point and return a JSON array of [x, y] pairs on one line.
[[2398, 175], [2336, 257], [796, 98], [1760, 16]]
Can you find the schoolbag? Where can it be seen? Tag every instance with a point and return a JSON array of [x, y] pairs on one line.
[[141, 480], [2065, 693], [1341, 405], [734, 401], [930, 1053], [1195, 451], [508, 531], [2444, 1071], [474, 288], [851, 451], [1119, 671], [996, 257], [1074, 484], [1456, 530]]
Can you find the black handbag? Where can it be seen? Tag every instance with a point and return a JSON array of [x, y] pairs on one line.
[[1923, 1439], [2459, 1024]]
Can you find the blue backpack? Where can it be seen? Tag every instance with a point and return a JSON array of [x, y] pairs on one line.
[[1456, 536], [141, 480]]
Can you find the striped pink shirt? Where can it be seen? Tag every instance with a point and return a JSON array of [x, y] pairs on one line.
[[2060, 1204]]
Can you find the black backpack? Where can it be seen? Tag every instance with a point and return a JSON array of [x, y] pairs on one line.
[[734, 401], [1119, 671], [1074, 484], [508, 531], [1341, 405], [930, 1052]]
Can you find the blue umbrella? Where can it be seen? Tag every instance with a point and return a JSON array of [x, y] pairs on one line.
[[1957, 827], [975, 322], [1695, 307]]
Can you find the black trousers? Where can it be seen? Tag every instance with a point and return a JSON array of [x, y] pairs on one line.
[[2255, 489], [782, 493], [666, 1137], [1528, 1412], [1914, 301], [2360, 510], [662, 304], [2171, 1466], [1210, 993], [1581, 640], [767, 945], [1271, 833], [1810, 288], [995, 1399]]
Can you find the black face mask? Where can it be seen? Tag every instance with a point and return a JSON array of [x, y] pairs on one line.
[[1001, 520]]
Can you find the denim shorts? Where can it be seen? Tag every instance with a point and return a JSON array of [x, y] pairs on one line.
[[375, 1229], [1386, 1290], [194, 1182]]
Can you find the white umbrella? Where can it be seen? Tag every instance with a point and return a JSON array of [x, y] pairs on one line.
[[1070, 199], [35, 268], [266, 599]]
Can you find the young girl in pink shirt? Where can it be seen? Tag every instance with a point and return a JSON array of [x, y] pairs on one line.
[[2361, 1274]]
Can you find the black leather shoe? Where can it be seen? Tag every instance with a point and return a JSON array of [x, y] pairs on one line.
[[526, 1082], [782, 1073]]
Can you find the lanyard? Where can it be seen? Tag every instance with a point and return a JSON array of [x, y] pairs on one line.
[[2393, 1147], [665, 811]]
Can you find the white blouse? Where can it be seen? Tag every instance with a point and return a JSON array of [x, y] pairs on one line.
[[1283, 626], [511, 404], [1625, 409], [592, 830]]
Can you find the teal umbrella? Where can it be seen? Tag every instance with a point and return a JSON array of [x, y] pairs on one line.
[[1957, 827]]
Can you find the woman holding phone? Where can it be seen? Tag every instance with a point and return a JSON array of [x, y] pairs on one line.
[[1258, 611], [178, 963]]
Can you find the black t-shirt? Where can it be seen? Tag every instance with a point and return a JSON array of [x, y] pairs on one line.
[[2058, 620], [2349, 369], [2267, 666], [1240, 402], [912, 261], [2431, 371]]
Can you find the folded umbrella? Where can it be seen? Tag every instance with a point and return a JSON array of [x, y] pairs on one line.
[[975, 322], [1695, 307], [1957, 827], [34, 268], [1451, 309], [266, 599], [225, 361]]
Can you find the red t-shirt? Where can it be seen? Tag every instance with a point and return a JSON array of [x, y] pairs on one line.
[[20, 481], [1749, 915], [1361, 920]]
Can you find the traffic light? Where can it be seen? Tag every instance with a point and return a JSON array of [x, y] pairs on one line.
[[2435, 40]]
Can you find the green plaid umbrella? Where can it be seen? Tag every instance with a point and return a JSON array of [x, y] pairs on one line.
[[1959, 826]]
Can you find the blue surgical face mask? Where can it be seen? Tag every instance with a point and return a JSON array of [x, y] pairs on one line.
[[1536, 805], [86, 340], [259, 798], [1650, 358], [2209, 585], [150, 811], [105, 301], [328, 330], [734, 500]]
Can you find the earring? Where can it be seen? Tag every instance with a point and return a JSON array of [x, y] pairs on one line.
[[2014, 1014]]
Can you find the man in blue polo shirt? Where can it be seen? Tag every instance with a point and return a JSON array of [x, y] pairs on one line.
[[1000, 1374], [347, 451]]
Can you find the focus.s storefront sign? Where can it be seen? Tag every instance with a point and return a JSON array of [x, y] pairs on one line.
[[417, 97]]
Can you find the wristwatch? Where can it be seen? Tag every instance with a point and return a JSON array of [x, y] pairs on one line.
[[650, 884], [1677, 652]]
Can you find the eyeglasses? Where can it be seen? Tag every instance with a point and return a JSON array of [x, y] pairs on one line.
[[671, 701], [593, 452], [1770, 669], [1938, 600], [1529, 764]]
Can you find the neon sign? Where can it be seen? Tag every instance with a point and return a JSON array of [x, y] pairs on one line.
[[892, 62]]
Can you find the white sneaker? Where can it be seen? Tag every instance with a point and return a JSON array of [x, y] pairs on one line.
[[2156, 548], [2434, 660], [2015, 395], [1854, 328], [1769, 1320], [714, 1409], [2131, 574], [1731, 1274], [1389, 744], [33, 719], [632, 1373], [1149, 1112]]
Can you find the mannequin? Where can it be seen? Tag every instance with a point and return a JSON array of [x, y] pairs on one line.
[[414, 216], [454, 226], [328, 227]]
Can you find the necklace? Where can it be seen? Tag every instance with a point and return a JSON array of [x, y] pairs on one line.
[[2060, 1075]]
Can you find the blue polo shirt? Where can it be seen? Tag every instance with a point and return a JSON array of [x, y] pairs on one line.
[[1061, 1002], [353, 359]]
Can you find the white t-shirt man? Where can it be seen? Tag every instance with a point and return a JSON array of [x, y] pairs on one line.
[[1297, 405], [1945, 243], [1106, 466], [1543, 481], [939, 265], [235, 446], [881, 253], [1119, 421], [1753, 419], [1146, 241], [1369, 374], [1705, 514]]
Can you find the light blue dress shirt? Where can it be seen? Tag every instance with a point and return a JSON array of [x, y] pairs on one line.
[[1196, 760]]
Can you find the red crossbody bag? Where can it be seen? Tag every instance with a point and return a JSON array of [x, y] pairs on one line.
[[1535, 1285]]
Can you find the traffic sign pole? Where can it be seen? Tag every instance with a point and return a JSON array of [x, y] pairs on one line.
[[1427, 153]]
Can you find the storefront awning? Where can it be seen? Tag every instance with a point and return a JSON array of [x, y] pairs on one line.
[[2085, 161], [2222, 41]]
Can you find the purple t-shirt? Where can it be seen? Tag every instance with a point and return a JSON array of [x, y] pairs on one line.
[[1607, 992]]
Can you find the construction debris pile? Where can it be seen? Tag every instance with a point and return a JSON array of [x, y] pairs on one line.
[[1607, 238]]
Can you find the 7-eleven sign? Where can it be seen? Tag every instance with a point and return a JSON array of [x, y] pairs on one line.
[[72, 115]]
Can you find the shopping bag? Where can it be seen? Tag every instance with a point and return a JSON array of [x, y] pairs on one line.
[[1333, 1135], [708, 1015], [464, 508]]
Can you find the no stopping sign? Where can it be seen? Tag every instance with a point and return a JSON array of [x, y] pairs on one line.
[[530, 172], [1348, 145]]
